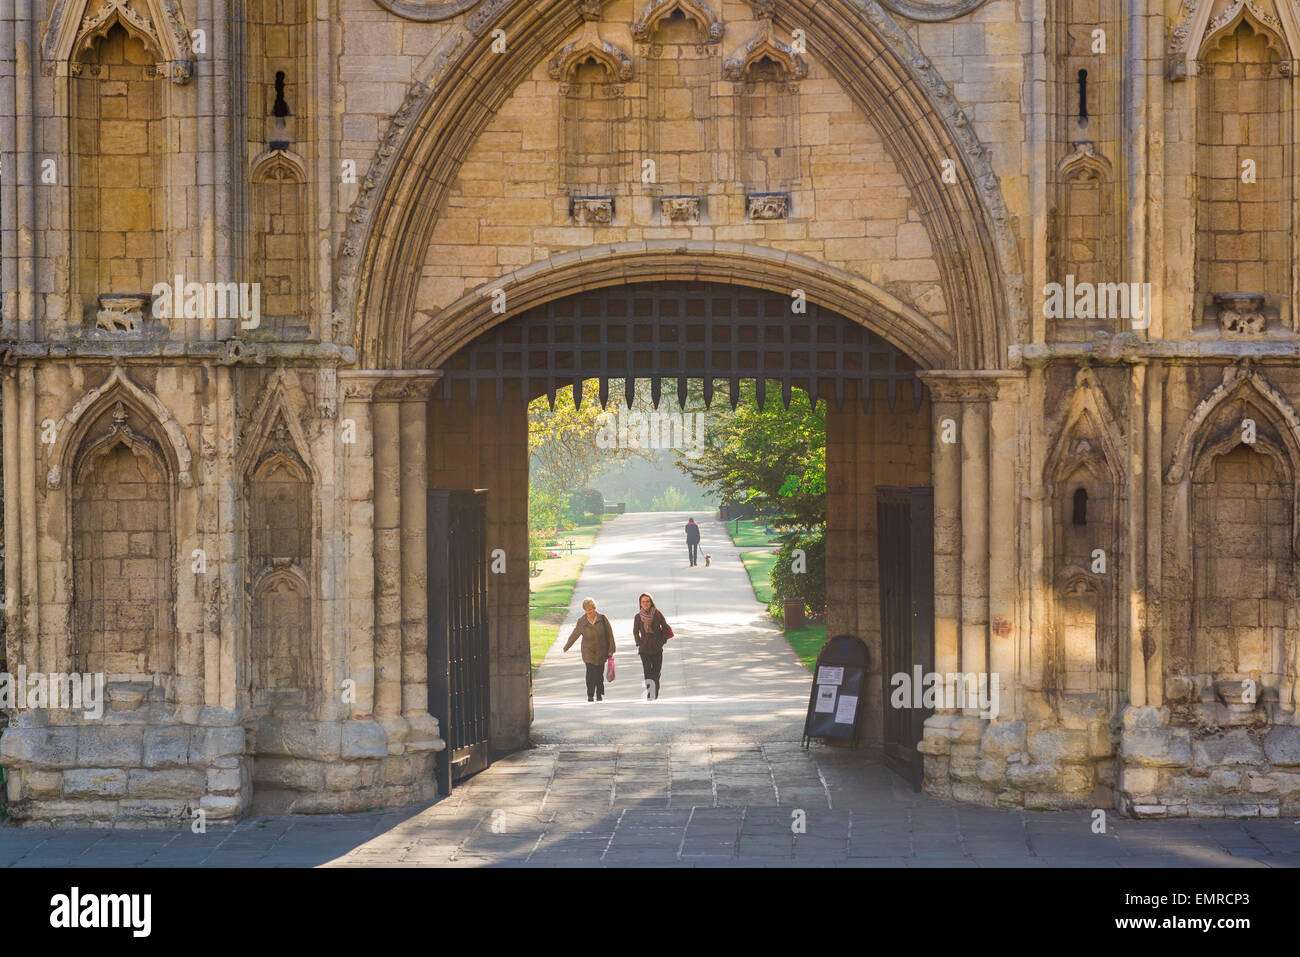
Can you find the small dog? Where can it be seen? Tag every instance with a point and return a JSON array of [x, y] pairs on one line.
[[708, 560]]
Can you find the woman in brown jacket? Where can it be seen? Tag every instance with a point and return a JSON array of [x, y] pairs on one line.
[[651, 632], [597, 647]]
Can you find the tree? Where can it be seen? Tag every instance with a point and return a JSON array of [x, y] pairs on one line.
[[772, 457]]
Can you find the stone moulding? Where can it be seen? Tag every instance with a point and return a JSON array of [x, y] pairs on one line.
[[589, 46], [656, 10], [934, 11], [680, 209], [1198, 31], [75, 25], [118, 379], [592, 210], [427, 11], [767, 205]]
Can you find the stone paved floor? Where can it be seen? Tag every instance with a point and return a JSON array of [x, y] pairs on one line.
[[711, 774]]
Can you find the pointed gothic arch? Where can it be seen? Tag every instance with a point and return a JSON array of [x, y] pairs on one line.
[[75, 25], [710, 27], [877, 64]]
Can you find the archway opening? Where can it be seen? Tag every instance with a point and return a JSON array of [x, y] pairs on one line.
[[722, 345]]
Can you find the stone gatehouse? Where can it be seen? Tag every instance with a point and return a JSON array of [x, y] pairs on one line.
[[250, 251]]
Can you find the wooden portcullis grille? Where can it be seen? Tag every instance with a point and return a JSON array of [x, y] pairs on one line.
[[680, 331]]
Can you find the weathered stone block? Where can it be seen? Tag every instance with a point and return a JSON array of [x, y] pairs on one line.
[[94, 783], [1032, 777], [166, 747], [219, 807], [1058, 745], [154, 811], [362, 739], [1139, 780], [1002, 738], [176, 782], [39, 747], [110, 747], [207, 744], [1282, 747], [42, 784], [297, 774], [1158, 748], [317, 740], [1232, 747], [342, 777], [224, 781]]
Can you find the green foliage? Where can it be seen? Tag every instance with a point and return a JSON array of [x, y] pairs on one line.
[[809, 585], [545, 508], [670, 500], [584, 505], [773, 457]]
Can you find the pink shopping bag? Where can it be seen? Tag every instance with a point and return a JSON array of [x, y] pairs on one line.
[[609, 669]]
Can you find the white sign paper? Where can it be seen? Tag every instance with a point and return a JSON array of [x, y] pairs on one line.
[[847, 708], [830, 676], [825, 699]]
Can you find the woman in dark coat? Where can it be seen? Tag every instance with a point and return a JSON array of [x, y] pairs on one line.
[[651, 632], [597, 647]]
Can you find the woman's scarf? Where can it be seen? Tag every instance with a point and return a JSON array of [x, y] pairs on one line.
[[648, 617]]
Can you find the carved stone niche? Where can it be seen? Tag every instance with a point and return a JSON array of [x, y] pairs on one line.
[[768, 205], [122, 312], [680, 209], [592, 210], [1240, 314]]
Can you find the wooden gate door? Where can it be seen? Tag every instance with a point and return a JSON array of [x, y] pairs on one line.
[[458, 631], [905, 544]]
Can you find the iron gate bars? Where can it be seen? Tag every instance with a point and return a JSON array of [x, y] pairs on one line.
[[680, 330]]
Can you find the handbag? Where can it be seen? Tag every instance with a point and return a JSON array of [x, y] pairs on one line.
[[609, 669]]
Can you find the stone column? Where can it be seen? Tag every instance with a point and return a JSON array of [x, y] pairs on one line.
[[356, 444], [388, 563], [414, 517], [1003, 555], [947, 524]]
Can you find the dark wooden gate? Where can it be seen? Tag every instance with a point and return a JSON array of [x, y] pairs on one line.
[[458, 631], [905, 543]]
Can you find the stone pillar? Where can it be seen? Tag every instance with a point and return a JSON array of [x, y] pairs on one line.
[[414, 516], [1003, 555], [356, 444], [388, 564], [947, 525]]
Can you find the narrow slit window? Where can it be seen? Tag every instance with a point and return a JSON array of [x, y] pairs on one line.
[[1080, 507], [1083, 96]]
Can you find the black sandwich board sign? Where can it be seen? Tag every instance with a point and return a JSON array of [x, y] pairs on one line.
[[839, 691]]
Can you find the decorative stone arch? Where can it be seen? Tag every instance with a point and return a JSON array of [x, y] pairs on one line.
[[875, 61], [94, 400], [278, 165], [1198, 445], [137, 633], [1086, 441], [1083, 163], [765, 45], [710, 27], [759, 267], [586, 48], [75, 25], [1200, 29]]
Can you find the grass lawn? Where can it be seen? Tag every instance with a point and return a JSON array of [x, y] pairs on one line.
[[550, 594], [583, 536], [806, 642], [759, 565], [750, 533]]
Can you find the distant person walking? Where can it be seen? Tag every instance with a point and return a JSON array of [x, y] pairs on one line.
[[597, 647], [692, 540], [651, 632]]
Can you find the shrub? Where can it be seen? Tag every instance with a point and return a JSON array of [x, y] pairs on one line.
[[584, 505], [810, 585]]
